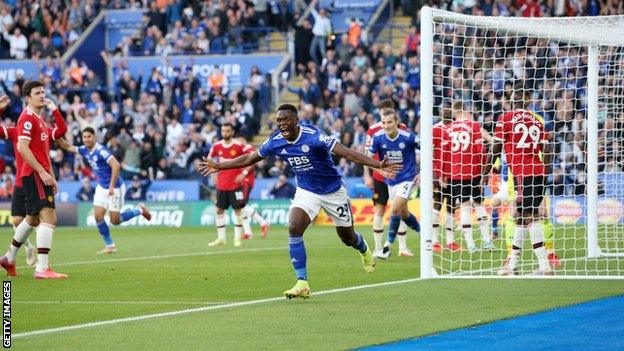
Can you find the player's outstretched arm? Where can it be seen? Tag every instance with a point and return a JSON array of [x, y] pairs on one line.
[[66, 145], [207, 166], [61, 126], [364, 160]]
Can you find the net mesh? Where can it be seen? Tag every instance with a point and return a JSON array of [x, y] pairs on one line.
[[484, 62]]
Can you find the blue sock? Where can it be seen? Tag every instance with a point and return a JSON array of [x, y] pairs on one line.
[[360, 244], [495, 220], [129, 214], [105, 233], [298, 256], [412, 222], [393, 227]]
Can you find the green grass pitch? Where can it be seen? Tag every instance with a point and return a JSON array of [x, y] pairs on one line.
[[164, 269]]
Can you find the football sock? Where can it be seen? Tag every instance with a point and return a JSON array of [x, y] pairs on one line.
[[484, 224], [298, 256], [220, 222], [395, 221], [549, 235], [44, 244], [378, 229], [436, 226], [105, 233], [412, 222], [495, 220], [466, 225], [450, 237], [129, 214], [238, 227], [247, 225], [402, 236], [360, 244], [536, 231], [22, 231]]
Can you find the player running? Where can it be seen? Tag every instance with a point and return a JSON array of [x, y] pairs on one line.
[[247, 178], [38, 182], [21, 227], [399, 146], [468, 154], [110, 191], [523, 137], [319, 185], [377, 182], [441, 187], [229, 191]]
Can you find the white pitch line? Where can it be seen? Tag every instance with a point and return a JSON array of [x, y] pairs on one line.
[[157, 257], [121, 302], [200, 309]]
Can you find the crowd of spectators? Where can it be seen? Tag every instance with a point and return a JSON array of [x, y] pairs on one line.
[[159, 126], [208, 27]]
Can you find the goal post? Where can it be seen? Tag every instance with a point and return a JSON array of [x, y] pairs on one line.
[[573, 70]]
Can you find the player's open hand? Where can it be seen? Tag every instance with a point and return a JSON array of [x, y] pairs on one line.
[[386, 166], [207, 166], [4, 101], [50, 104], [111, 192], [239, 178], [387, 175]]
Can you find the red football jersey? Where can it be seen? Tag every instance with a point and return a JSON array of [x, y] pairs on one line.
[[372, 130], [466, 149], [524, 136], [225, 178], [441, 154], [251, 176], [34, 128], [11, 134]]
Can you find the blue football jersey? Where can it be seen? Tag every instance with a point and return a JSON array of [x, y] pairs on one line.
[[401, 149], [310, 158], [98, 160]]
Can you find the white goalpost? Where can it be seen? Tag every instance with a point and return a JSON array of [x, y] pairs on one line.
[[571, 69]]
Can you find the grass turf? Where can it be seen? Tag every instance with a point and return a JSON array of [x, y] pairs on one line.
[[126, 285]]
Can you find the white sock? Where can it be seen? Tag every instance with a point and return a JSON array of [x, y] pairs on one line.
[[514, 259], [518, 236], [484, 224], [536, 231], [238, 227], [450, 235], [258, 218], [44, 245], [402, 242], [22, 231], [466, 225], [247, 226], [436, 226], [220, 222], [378, 229]]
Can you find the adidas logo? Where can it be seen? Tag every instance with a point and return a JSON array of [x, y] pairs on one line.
[[293, 260], [284, 151]]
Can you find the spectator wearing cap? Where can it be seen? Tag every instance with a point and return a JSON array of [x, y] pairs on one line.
[[322, 30]]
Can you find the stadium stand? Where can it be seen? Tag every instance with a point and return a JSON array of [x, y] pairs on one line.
[[159, 127]]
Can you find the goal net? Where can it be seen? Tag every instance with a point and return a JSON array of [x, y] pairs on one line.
[[570, 73]]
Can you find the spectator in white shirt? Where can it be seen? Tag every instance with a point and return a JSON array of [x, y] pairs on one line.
[[18, 44], [321, 30]]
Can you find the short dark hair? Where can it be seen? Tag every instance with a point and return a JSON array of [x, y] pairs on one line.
[[288, 107], [227, 124], [89, 130], [386, 103], [30, 85]]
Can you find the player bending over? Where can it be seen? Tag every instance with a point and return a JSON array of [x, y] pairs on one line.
[[319, 185], [398, 146], [110, 191]]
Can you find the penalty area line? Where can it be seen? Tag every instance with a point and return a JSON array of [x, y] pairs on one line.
[[201, 309], [121, 302]]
